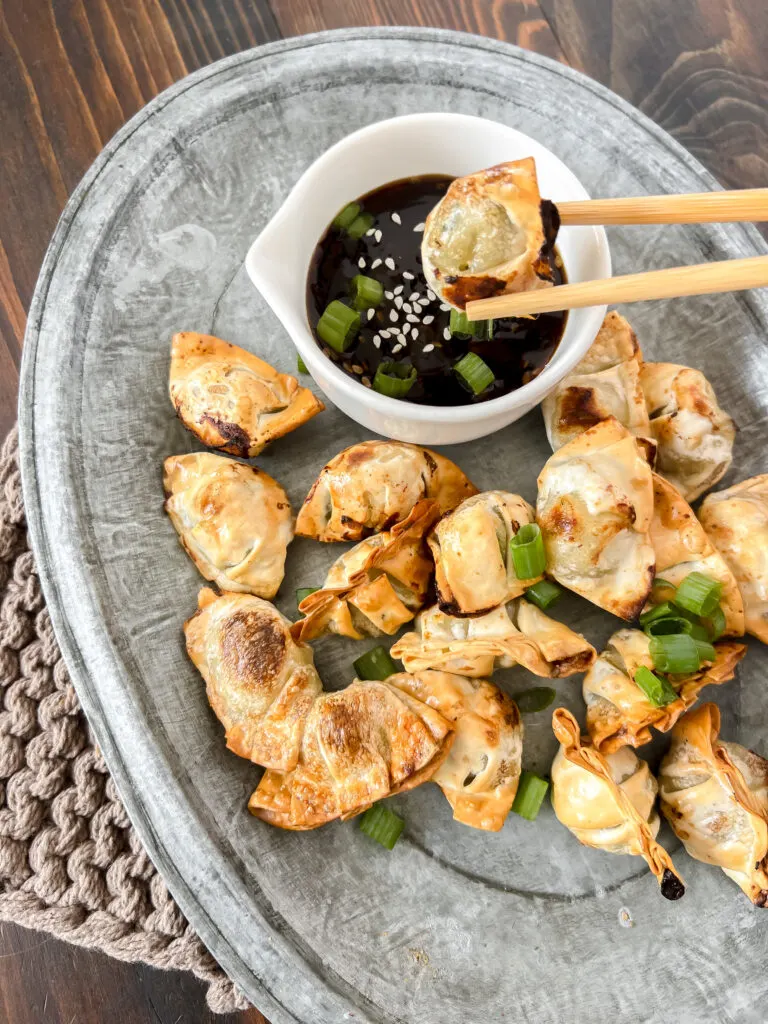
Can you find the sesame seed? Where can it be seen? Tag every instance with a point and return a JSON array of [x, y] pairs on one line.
[[407, 275], [367, 381], [389, 295], [401, 339], [407, 329], [377, 341], [385, 333], [389, 262], [444, 306], [377, 235], [396, 349], [361, 263], [369, 232], [447, 333], [427, 348], [357, 369], [398, 301], [412, 319], [371, 313], [414, 333], [398, 289], [419, 227], [407, 307], [427, 319], [376, 263], [394, 317], [396, 218], [413, 297]]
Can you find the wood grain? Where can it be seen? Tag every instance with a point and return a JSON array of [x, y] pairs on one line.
[[73, 71]]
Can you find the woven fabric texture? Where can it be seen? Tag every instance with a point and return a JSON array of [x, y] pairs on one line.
[[70, 862]]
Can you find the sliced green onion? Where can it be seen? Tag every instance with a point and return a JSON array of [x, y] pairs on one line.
[[715, 623], [375, 664], [303, 592], [698, 594], [362, 223], [659, 611], [383, 825], [659, 581], [543, 594], [536, 699], [462, 327], [677, 654], [530, 795], [301, 366], [706, 650], [527, 551], [658, 690], [365, 291], [668, 625], [474, 372], [394, 379], [482, 330], [338, 326], [345, 217], [700, 632]]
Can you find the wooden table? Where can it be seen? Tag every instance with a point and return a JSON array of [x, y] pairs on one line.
[[74, 70]]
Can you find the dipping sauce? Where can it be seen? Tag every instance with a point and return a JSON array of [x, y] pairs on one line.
[[410, 326]]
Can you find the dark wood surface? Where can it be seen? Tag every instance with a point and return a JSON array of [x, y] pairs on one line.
[[72, 71]]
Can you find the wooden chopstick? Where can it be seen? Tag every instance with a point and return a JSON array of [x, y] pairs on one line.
[[696, 208], [701, 279]]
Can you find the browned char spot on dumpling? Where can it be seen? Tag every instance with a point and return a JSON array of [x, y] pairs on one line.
[[253, 646]]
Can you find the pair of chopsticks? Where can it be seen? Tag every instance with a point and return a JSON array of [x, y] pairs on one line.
[[701, 279]]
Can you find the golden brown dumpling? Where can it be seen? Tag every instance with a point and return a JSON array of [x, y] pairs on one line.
[[682, 547], [260, 683], [619, 713], [694, 436], [377, 586], [480, 775], [470, 546], [233, 520], [373, 485], [518, 633], [231, 399], [490, 234], [360, 744], [605, 383], [594, 508], [608, 801], [715, 796], [736, 521]]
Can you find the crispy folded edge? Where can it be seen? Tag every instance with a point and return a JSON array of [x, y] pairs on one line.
[[568, 734], [610, 732]]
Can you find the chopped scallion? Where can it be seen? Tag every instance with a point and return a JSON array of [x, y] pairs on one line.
[[365, 292], [660, 611], [301, 366], [527, 551], [536, 699], [338, 326], [360, 225], [658, 690], [705, 649], [543, 594], [383, 825], [530, 795], [394, 379], [715, 623], [668, 625], [462, 327], [698, 594], [375, 664], [677, 654], [345, 217], [303, 592], [474, 372]]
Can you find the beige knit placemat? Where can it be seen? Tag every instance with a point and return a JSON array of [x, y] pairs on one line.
[[70, 862]]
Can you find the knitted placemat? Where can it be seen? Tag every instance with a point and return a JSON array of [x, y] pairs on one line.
[[70, 861]]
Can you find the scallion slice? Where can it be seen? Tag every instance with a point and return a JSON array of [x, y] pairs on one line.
[[715, 623], [301, 366], [394, 379], [345, 217], [530, 795], [659, 611], [543, 594], [677, 654], [338, 326], [527, 551], [658, 690], [360, 225], [303, 592], [668, 625], [365, 292], [462, 327], [383, 825], [705, 649], [698, 594], [375, 664], [536, 699], [474, 372]]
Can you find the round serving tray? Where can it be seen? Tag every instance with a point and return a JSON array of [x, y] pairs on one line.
[[454, 926]]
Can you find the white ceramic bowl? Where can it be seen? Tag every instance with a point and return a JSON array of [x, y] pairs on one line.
[[455, 144]]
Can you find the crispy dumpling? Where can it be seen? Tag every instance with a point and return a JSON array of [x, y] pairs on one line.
[[490, 234], [470, 546], [736, 521], [260, 683], [682, 547], [375, 484], [594, 508], [608, 801], [480, 775], [605, 383], [360, 744], [619, 713], [233, 520], [231, 399], [515, 634], [376, 587], [715, 796], [694, 436]]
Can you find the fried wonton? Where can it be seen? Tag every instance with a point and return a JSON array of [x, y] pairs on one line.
[[514, 634], [479, 777], [715, 796], [470, 546], [376, 587], [260, 683], [594, 508], [736, 521], [682, 547], [372, 485], [607, 801], [231, 399], [490, 234], [233, 520], [619, 713], [360, 744], [605, 383], [694, 436]]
